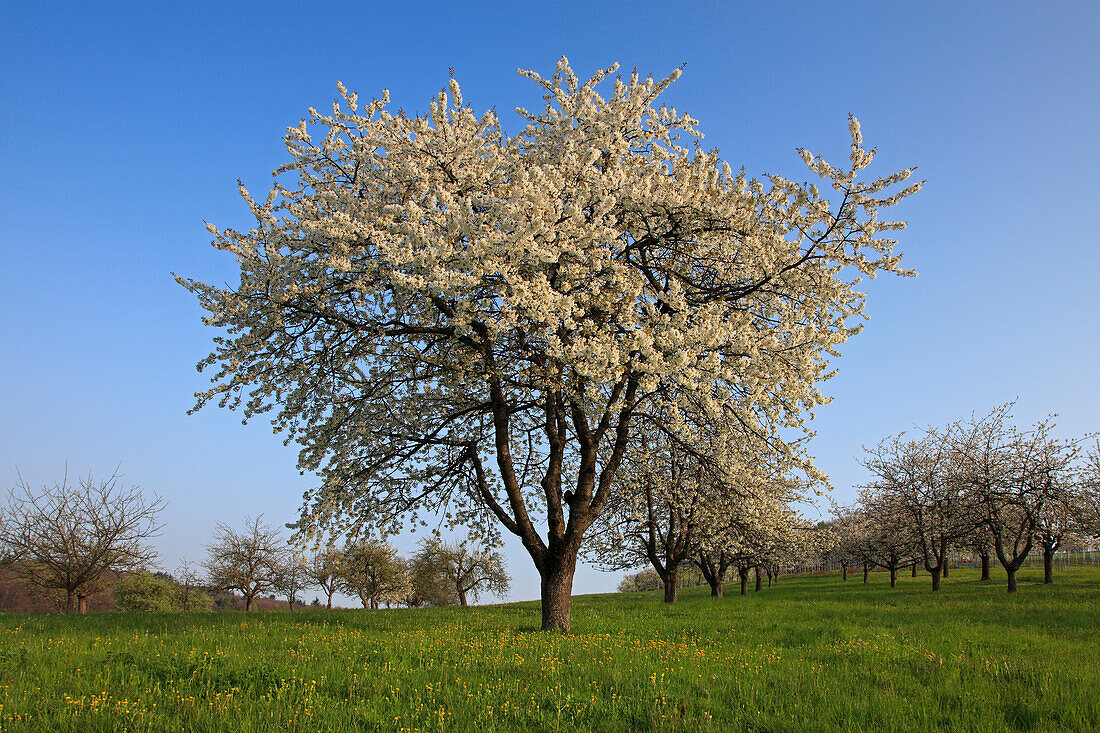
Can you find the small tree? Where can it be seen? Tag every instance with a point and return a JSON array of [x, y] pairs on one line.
[[75, 538], [246, 561], [429, 582], [469, 571], [323, 571], [291, 575], [373, 571]]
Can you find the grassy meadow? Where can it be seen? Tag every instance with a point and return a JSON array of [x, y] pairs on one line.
[[811, 653]]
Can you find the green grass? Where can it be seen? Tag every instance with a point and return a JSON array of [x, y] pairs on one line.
[[812, 653]]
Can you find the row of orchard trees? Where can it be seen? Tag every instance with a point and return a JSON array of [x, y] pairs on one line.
[[982, 486], [81, 538], [256, 561], [683, 512]]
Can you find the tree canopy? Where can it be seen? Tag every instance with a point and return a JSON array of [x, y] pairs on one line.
[[450, 320]]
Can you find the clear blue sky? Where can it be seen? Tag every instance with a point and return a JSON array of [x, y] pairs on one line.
[[125, 126]]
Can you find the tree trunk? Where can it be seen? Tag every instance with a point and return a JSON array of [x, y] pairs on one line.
[[670, 585], [248, 603], [743, 574], [462, 597], [893, 577], [82, 604], [759, 583], [329, 604], [1011, 579], [68, 601], [936, 578], [985, 565], [557, 592], [1048, 566], [945, 566], [914, 570], [843, 576], [866, 571], [716, 588]]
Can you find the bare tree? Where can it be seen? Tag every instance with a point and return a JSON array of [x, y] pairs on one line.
[[291, 575], [469, 571], [323, 571], [246, 561], [74, 538]]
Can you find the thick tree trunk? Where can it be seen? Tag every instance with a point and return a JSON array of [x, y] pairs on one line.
[[716, 589], [759, 582], [69, 601], [866, 571], [936, 578], [557, 592], [914, 570], [893, 577], [248, 603], [1048, 566], [1011, 579], [670, 585], [462, 597], [743, 574], [985, 565], [82, 604]]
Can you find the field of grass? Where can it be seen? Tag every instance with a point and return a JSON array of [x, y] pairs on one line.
[[811, 653]]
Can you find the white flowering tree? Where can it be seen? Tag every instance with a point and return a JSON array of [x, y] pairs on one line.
[[450, 320]]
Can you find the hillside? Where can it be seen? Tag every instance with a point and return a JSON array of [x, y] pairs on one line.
[[811, 653]]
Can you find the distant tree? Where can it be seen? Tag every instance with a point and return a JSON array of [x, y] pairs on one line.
[[469, 571], [142, 591], [373, 571], [292, 575], [917, 478], [245, 561], [643, 580], [75, 538], [192, 594], [323, 571], [1011, 475], [429, 581]]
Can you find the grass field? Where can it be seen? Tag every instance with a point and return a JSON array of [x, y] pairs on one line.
[[812, 653]]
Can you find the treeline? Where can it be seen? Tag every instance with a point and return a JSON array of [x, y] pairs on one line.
[[85, 546], [980, 488]]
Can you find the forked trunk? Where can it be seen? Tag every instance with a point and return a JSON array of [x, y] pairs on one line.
[[985, 565], [1048, 566], [716, 589], [557, 592]]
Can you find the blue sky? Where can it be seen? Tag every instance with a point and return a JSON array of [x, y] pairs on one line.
[[127, 125]]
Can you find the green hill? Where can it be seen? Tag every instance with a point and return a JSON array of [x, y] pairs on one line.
[[811, 653]]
